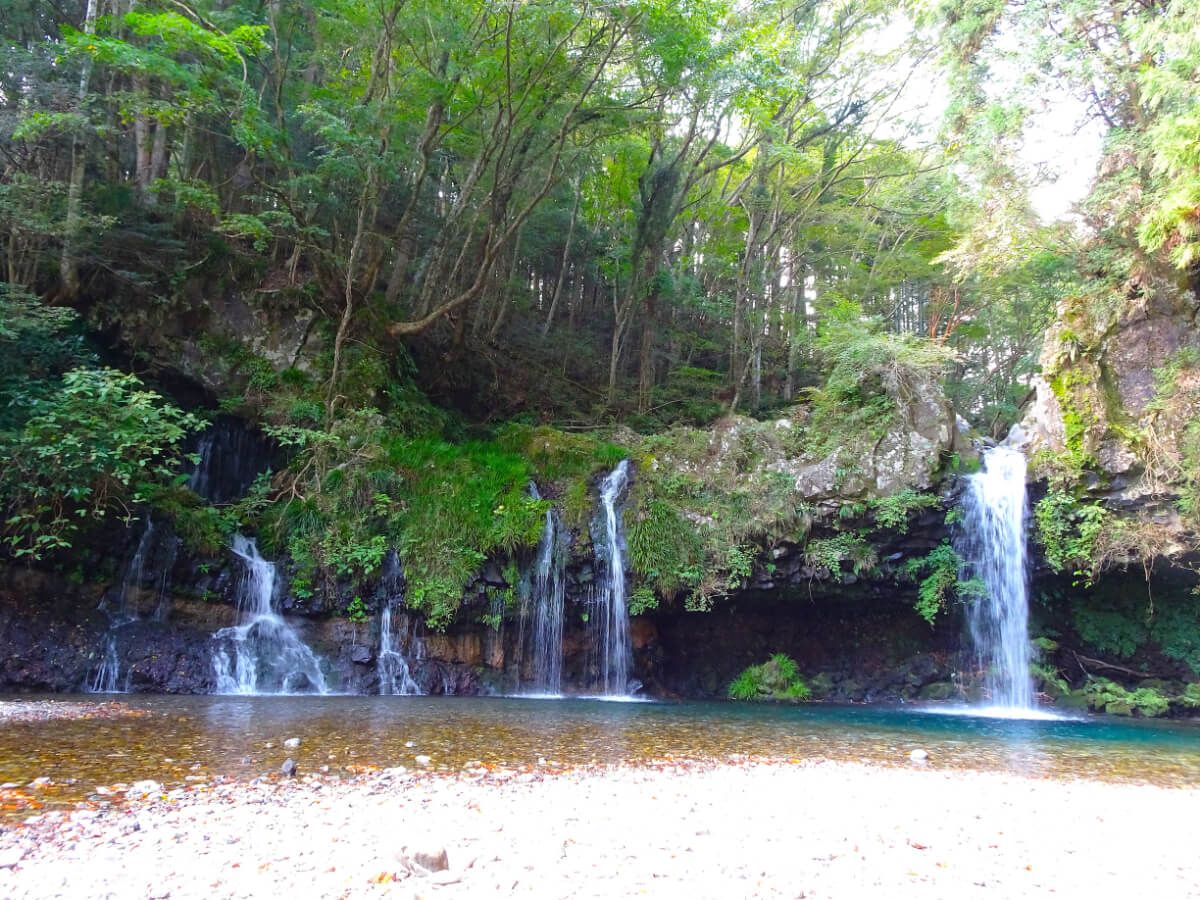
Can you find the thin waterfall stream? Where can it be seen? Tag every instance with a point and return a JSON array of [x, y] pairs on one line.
[[610, 627], [993, 544], [107, 677], [391, 665], [542, 612]]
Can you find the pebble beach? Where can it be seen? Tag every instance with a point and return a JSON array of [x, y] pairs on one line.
[[740, 827]]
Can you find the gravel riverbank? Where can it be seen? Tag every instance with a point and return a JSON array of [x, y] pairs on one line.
[[697, 830]]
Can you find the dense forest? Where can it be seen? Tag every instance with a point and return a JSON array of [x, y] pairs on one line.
[[432, 252]]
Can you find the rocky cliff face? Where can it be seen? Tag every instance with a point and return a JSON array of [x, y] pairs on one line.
[[155, 621], [1116, 405]]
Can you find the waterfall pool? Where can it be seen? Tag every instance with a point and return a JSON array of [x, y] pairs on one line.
[[186, 740]]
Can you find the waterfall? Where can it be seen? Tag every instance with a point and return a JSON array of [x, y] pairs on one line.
[[993, 546], [231, 457], [395, 676], [262, 655], [107, 677], [542, 614], [610, 622]]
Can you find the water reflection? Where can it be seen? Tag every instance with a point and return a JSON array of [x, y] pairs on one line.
[[192, 739]]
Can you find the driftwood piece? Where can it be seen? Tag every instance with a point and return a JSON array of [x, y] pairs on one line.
[[1101, 664]]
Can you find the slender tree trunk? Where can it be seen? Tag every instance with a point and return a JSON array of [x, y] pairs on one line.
[[506, 289], [68, 267], [566, 255], [343, 331]]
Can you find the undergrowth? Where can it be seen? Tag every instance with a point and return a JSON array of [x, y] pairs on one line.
[[776, 679]]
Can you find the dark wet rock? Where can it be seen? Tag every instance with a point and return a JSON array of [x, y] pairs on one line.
[[492, 575], [821, 686], [362, 655], [289, 767], [939, 691]]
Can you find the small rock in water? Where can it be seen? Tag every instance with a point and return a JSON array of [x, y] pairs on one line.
[[139, 788], [289, 767], [410, 743], [422, 760], [292, 743], [918, 755]]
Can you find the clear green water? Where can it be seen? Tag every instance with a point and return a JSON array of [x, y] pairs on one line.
[[204, 737]]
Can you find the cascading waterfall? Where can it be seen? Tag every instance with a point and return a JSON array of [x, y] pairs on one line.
[[262, 655], [610, 624], [993, 545], [547, 591], [395, 675], [107, 677]]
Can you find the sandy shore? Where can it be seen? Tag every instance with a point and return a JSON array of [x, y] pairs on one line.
[[745, 829]]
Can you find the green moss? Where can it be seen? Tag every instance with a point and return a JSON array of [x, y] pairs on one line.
[[352, 493], [1072, 390]]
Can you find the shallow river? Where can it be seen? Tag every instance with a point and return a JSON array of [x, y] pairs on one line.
[[185, 740]]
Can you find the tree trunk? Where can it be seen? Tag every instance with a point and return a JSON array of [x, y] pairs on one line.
[[562, 265], [68, 266]]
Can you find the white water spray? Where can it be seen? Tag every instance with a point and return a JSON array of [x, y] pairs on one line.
[[262, 655], [994, 548]]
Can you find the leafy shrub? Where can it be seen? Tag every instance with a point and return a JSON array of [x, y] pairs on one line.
[[641, 600], [1106, 695], [356, 610], [829, 553], [664, 548], [103, 445], [746, 686], [366, 486], [1069, 532], [776, 679], [893, 512], [940, 583], [1111, 630]]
